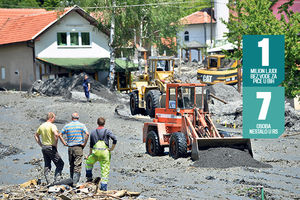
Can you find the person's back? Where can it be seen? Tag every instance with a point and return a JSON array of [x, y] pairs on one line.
[[46, 130], [75, 132], [77, 136], [49, 133], [100, 151]]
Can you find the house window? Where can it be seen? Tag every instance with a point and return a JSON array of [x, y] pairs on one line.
[[74, 39], [85, 38], [61, 39], [2, 73], [186, 36]]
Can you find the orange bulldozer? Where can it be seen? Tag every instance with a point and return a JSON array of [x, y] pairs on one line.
[[183, 123]]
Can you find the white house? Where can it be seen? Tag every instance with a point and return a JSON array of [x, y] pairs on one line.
[[39, 44], [202, 32], [196, 35]]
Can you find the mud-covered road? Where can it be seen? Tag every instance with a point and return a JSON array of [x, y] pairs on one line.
[[133, 169]]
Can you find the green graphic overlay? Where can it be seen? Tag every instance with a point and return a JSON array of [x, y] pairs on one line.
[[263, 60], [263, 72], [263, 112]]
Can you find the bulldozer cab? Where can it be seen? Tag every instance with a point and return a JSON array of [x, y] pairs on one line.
[[161, 67], [184, 96], [219, 62]]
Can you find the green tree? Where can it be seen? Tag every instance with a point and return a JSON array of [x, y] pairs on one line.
[[28, 4], [254, 17], [8, 3], [52, 4], [149, 22]]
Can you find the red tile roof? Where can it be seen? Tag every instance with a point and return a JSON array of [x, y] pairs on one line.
[[198, 17], [169, 41], [20, 25]]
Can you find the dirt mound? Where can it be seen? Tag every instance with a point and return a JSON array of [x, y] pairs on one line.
[[63, 86], [227, 157], [8, 150]]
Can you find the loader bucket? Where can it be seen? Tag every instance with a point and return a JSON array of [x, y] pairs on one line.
[[231, 142]]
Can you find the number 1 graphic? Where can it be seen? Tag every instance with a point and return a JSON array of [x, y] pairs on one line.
[[264, 44]]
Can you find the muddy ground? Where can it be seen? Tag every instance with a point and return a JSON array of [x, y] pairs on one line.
[[133, 169]]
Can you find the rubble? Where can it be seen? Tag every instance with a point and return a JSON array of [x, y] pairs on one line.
[[292, 119], [34, 161], [8, 150], [230, 113], [71, 88], [33, 190]]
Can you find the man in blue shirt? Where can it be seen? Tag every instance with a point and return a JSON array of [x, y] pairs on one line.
[[86, 87], [77, 136]]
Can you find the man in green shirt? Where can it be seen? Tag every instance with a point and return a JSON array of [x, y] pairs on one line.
[[49, 133]]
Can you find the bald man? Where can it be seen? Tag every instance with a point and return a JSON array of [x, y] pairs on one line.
[[48, 132], [77, 136]]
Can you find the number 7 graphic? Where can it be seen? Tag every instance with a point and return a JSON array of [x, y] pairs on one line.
[[266, 96]]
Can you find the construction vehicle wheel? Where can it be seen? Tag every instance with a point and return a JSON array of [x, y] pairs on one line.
[[152, 144], [152, 102], [134, 103], [178, 145]]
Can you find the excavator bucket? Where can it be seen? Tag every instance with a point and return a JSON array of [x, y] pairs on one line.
[[231, 142]]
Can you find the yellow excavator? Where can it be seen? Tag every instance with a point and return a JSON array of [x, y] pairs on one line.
[[147, 89], [218, 69]]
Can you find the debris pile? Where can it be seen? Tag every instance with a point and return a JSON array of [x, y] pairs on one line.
[[292, 119], [71, 88], [33, 190], [227, 157], [188, 72], [8, 150], [230, 113]]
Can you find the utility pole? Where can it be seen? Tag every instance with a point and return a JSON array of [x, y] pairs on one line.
[[239, 76], [112, 49], [211, 17]]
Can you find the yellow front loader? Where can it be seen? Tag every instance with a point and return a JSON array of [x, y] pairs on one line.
[[149, 86]]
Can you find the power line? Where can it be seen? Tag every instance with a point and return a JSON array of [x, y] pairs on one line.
[[121, 6]]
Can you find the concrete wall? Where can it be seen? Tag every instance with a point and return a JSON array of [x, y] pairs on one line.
[[197, 32], [16, 57], [46, 45]]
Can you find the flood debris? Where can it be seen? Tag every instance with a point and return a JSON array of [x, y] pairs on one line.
[[7, 150], [227, 157], [229, 113], [34, 161], [292, 119], [34, 190], [71, 88], [256, 193], [29, 183]]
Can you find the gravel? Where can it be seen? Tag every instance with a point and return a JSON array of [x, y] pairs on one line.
[[227, 157]]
